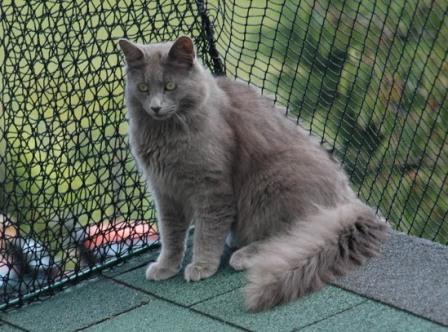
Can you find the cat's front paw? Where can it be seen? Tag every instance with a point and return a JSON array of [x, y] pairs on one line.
[[157, 271], [196, 272]]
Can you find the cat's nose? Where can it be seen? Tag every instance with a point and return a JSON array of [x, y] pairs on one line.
[[156, 109]]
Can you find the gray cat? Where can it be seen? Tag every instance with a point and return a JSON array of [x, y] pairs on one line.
[[217, 153]]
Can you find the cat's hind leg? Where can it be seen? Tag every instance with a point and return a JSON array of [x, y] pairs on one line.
[[241, 259]]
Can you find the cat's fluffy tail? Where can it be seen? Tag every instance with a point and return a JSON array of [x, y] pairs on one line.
[[312, 253]]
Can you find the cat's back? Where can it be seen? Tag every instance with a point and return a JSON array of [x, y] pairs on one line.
[[255, 119], [244, 99], [266, 139]]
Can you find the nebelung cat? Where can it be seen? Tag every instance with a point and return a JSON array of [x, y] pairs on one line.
[[218, 154]]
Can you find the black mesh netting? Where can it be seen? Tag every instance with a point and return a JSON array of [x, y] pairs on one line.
[[369, 77]]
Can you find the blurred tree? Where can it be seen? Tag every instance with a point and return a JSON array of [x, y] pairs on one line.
[[371, 79]]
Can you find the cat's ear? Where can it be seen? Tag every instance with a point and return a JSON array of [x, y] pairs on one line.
[[132, 52], [182, 52]]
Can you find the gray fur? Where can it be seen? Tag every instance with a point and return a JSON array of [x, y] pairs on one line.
[[223, 156]]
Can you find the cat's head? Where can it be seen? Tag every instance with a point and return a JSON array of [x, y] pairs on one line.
[[163, 79]]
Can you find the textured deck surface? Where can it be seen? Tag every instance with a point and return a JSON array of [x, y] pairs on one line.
[[122, 300]]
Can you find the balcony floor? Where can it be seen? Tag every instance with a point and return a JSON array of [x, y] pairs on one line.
[[376, 297]]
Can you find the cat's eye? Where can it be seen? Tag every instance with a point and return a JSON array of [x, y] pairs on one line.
[[169, 86], [143, 87]]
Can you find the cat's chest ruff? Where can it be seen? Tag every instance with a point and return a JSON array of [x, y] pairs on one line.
[[157, 156], [163, 159]]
